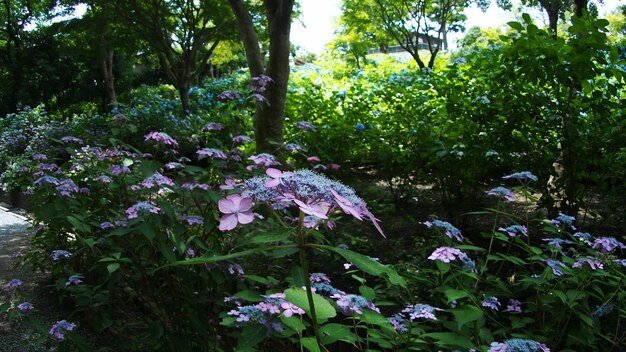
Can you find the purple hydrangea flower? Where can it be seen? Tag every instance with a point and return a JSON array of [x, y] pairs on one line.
[[555, 265], [319, 277], [46, 180], [420, 311], [191, 186], [106, 225], [502, 192], [259, 83], [602, 310], [498, 347], [119, 169], [212, 153], [60, 327], [213, 126], [514, 306], [304, 126], [192, 219], [242, 139], [449, 229], [229, 95], [173, 165], [74, 280], [25, 307], [564, 219], [264, 159], [446, 254], [349, 303], [607, 244], [67, 188], [293, 147], [161, 137], [522, 176], [70, 139], [141, 207], [557, 242], [157, 180], [104, 179], [14, 284], [593, 263], [514, 230], [584, 237], [60, 253], [40, 157], [492, 303]]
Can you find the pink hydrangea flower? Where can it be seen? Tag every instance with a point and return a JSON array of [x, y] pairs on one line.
[[291, 309], [275, 175], [446, 254], [236, 210]]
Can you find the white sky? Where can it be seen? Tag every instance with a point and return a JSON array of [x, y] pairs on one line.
[[318, 17]]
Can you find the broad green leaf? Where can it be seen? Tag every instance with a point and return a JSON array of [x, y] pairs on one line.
[[270, 237], [516, 25], [337, 332], [310, 344], [323, 309], [251, 336], [450, 339], [373, 318], [367, 292], [454, 294], [111, 268], [78, 224], [465, 314], [369, 265], [249, 295], [293, 322]]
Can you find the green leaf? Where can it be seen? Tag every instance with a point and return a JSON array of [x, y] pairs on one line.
[[251, 336], [516, 25], [453, 294], [219, 258], [333, 332], [450, 339], [369, 265], [373, 318], [323, 309], [249, 295], [367, 292], [293, 322], [111, 268], [465, 314], [310, 344], [270, 237], [78, 225]]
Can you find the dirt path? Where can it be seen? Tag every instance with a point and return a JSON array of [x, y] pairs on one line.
[[16, 336]]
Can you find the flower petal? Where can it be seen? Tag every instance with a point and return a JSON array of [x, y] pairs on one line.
[[245, 218], [228, 222]]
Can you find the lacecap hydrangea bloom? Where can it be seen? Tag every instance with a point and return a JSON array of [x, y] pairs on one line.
[[60, 327], [518, 345], [312, 193], [448, 228]]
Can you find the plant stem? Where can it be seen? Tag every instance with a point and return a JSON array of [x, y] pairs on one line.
[[307, 283]]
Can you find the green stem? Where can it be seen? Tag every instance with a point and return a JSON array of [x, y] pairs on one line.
[[307, 283]]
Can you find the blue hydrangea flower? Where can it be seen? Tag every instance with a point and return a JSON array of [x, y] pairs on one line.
[[449, 229], [522, 176]]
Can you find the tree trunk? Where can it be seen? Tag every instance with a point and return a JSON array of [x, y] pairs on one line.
[[183, 91], [552, 8], [249, 37], [109, 83], [580, 6], [269, 117]]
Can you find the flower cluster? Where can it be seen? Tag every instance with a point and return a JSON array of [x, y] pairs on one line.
[[492, 303], [607, 244], [518, 345], [447, 254], [449, 229], [523, 176], [211, 153], [74, 280], [162, 138], [59, 253], [141, 207], [312, 193], [60, 327], [514, 230], [304, 126], [266, 312], [25, 307], [14, 284], [502, 192], [411, 313]]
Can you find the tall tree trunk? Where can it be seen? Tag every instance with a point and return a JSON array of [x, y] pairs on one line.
[[580, 6], [109, 83], [183, 90], [269, 117], [249, 37], [552, 8]]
